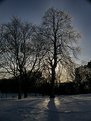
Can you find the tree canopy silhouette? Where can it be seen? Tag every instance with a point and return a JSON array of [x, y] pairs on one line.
[[18, 52], [27, 47], [60, 41]]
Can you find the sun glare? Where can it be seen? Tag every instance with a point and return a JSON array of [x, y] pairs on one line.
[[57, 102]]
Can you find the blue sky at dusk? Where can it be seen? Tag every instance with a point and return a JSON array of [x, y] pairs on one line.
[[33, 10]]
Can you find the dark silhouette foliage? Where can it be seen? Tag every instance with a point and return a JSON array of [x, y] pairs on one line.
[[83, 78]]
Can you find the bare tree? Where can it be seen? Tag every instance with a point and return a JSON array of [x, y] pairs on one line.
[[20, 54], [60, 41]]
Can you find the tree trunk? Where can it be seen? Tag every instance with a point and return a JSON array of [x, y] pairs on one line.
[[20, 86], [25, 85], [19, 95], [19, 90], [52, 94]]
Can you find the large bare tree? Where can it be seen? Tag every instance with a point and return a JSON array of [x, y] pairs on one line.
[[19, 52], [60, 41]]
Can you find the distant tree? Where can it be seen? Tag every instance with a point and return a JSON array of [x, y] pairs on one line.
[[60, 42], [19, 52], [89, 64], [83, 77], [78, 78], [88, 74]]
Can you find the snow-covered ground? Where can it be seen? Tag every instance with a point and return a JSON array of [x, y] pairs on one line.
[[62, 108]]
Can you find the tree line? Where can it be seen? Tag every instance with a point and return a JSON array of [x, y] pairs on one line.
[[26, 47], [37, 84]]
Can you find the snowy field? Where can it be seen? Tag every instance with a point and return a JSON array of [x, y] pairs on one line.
[[63, 108]]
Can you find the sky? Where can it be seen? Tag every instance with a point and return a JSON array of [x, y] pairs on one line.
[[33, 11]]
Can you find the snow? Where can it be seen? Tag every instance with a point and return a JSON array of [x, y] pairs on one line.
[[62, 108]]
